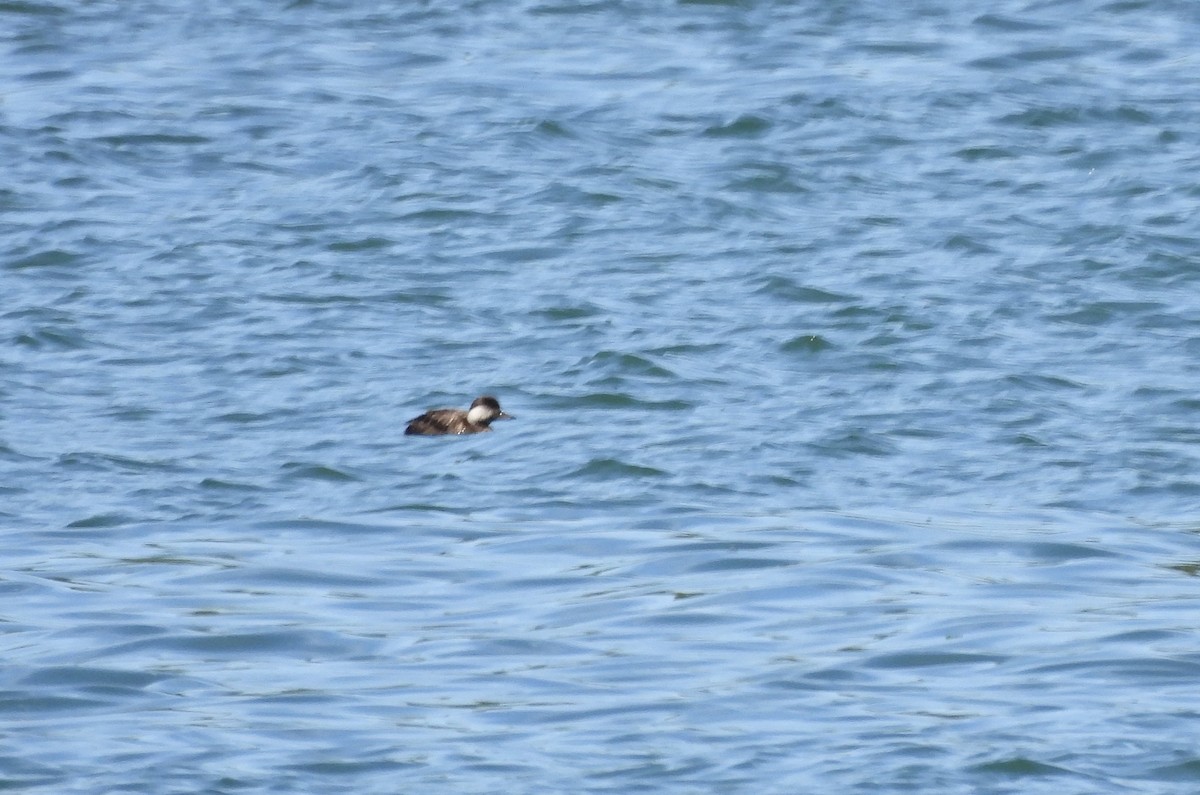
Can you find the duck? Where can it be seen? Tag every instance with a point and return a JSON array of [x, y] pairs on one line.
[[440, 422]]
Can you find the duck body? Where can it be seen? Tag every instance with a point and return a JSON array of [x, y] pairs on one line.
[[442, 422]]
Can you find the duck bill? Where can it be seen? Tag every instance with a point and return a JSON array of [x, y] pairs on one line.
[[504, 415]]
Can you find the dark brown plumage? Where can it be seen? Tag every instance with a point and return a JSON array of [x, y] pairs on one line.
[[439, 422]]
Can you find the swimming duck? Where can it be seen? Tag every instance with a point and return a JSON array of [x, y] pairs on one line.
[[478, 419]]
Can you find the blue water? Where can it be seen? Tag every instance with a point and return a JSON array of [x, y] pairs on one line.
[[854, 349]]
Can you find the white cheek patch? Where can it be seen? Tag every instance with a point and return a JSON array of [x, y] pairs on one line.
[[478, 415]]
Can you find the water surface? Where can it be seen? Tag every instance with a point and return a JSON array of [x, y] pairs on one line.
[[853, 348]]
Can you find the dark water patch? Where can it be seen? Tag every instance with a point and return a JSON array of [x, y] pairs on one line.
[[1146, 55], [1045, 117], [689, 618], [21, 775], [859, 316], [52, 339], [1101, 313], [218, 484], [1168, 220], [1028, 59], [612, 469], [108, 462], [362, 244], [1126, 6], [807, 343], [746, 126], [894, 47], [966, 244], [765, 178], [1141, 638], [1192, 568], [852, 443], [131, 413], [102, 520], [49, 258], [823, 678], [7, 453], [929, 659], [1168, 137], [421, 297], [789, 289], [309, 471], [267, 577], [85, 677], [522, 254], [445, 215], [32, 9], [140, 140], [299, 696], [1006, 23], [523, 647], [553, 129], [722, 547], [1021, 767], [623, 364], [741, 564], [45, 707], [165, 559], [974, 154], [297, 644], [314, 299], [569, 194], [324, 528], [553, 9], [47, 75], [1041, 383], [1054, 553], [579, 312], [338, 770], [437, 509], [1151, 671], [1182, 771]]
